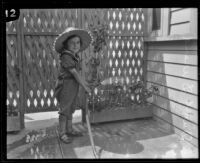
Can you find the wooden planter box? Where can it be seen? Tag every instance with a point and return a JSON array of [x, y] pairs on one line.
[[122, 113], [13, 123]]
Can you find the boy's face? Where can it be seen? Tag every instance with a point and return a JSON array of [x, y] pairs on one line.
[[74, 44]]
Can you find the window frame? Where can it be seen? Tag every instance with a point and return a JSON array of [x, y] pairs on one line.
[[163, 33]]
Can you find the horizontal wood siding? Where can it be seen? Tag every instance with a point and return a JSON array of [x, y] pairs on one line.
[[180, 21], [181, 15], [172, 66]]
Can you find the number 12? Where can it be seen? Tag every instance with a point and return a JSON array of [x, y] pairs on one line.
[[11, 13]]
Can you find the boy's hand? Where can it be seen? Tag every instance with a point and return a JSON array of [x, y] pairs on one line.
[[93, 85], [87, 89]]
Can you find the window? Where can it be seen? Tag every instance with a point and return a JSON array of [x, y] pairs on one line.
[[156, 18]]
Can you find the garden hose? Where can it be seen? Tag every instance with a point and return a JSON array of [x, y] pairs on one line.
[[89, 130]]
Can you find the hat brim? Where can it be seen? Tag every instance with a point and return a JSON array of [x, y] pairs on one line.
[[84, 35]]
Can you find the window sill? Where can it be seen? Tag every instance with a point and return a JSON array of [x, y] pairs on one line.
[[171, 38]]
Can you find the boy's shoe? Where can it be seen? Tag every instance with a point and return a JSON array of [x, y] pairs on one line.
[[65, 139], [74, 134]]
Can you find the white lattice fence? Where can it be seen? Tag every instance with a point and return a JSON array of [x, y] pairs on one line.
[[41, 63], [121, 61]]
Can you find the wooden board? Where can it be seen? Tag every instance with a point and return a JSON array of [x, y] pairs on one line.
[[183, 28], [186, 137], [177, 109], [185, 85], [190, 45], [175, 57], [181, 70], [180, 22], [177, 122], [170, 128], [180, 16], [178, 96], [133, 112]]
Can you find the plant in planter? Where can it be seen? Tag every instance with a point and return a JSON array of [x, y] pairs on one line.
[[99, 33], [145, 93], [94, 74]]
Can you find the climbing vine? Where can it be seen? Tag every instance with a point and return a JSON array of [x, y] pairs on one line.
[[99, 33]]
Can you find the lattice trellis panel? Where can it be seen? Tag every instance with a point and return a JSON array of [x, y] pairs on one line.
[[48, 20], [40, 72], [40, 61], [12, 70], [123, 59], [126, 21], [11, 27]]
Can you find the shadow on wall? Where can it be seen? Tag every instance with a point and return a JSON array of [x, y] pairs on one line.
[[161, 106], [179, 61]]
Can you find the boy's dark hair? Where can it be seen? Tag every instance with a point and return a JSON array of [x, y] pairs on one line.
[[64, 43]]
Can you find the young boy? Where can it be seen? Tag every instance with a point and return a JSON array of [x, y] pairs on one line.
[[68, 44]]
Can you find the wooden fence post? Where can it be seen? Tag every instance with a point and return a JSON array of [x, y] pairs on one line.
[[83, 95], [19, 31]]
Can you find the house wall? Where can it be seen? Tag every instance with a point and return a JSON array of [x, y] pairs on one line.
[[172, 67]]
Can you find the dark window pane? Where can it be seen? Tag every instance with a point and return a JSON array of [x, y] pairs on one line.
[[156, 18]]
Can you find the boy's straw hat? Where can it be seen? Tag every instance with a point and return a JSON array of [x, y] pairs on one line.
[[85, 36]]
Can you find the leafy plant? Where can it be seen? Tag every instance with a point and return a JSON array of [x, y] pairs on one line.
[[99, 33], [145, 93], [117, 97]]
